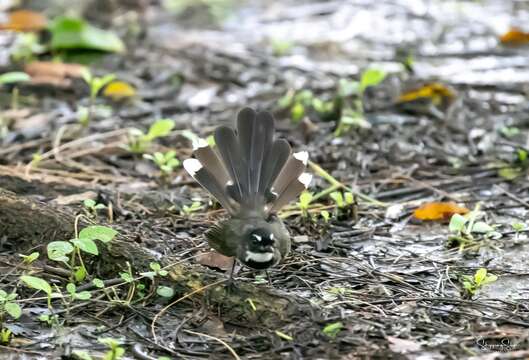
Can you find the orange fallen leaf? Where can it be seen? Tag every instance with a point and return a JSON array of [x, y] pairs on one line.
[[515, 37], [119, 90], [24, 20], [437, 93], [438, 211], [53, 73], [216, 260]]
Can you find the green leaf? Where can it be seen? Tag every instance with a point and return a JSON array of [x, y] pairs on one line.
[[126, 276], [98, 283], [160, 128], [98, 232], [338, 198], [347, 88], [149, 274], [83, 295], [3, 295], [165, 291], [74, 33], [371, 77], [510, 173], [457, 223], [86, 245], [71, 288], [482, 227], [14, 77], [28, 259], [36, 283], [480, 275], [349, 198], [304, 199], [81, 355], [13, 309], [155, 266], [89, 203], [332, 330], [297, 112], [57, 250], [80, 273], [489, 279]]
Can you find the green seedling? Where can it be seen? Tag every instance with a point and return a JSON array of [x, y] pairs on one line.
[[332, 330], [156, 270], [509, 132], [166, 162], [29, 259], [139, 142], [91, 207], [115, 351], [465, 228], [81, 355], [74, 295], [66, 252], [281, 47], [36, 158], [165, 291], [305, 199], [194, 207], [26, 47], [472, 284], [517, 167], [50, 320], [95, 85], [345, 204], [5, 336], [326, 216], [13, 78], [39, 284], [9, 306]]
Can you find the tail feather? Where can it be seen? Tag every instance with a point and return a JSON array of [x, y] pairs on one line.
[[209, 159], [230, 153], [291, 191], [293, 168], [208, 181], [275, 161]]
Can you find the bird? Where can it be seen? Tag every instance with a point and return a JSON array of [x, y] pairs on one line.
[[252, 175]]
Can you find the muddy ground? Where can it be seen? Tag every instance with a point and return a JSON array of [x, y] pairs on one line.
[[390, 283]]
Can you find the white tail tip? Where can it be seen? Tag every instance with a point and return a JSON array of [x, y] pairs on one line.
[[305, 179], [192, 166], [302, 156]]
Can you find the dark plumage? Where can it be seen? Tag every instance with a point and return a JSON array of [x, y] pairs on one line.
[[252, 175]]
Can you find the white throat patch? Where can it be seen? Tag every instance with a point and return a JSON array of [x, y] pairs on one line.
[[258, 257]]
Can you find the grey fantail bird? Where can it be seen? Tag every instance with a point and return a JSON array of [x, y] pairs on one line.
[[252, 175]]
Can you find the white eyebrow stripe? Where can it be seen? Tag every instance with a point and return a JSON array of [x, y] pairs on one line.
[[259, 257], [257, 237], [271, 236]]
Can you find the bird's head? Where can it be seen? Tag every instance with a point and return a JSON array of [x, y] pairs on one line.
[[259, 250]]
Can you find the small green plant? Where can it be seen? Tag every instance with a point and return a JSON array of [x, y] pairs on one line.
[[5, 336], [326, 216], [473, 284], [139, 142], [115, 351], [345, 205], [74, 295], [516, 167], [66, 252], [166, 162], [465, 228], [13, 78], [345, 106], [518, 228], [37, 283], [194, 207], [281, 47], [332, 329], [156, 271], [95, 84], [9, 306], [91, 207], [50, 320], [25, 48], [305, 199]]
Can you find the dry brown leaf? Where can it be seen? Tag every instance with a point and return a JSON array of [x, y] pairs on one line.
[[438, 211], [53, 73], [216, 260], [74, 198], [24, 20], [515, 37]]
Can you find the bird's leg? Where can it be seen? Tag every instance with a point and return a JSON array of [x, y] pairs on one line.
[[230, 284], [268, 277]]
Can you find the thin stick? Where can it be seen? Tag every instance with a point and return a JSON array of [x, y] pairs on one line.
[[230, 349]]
